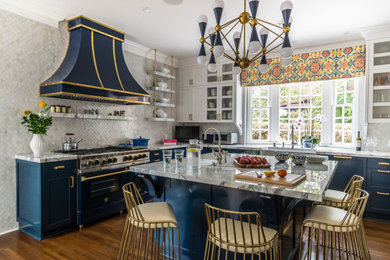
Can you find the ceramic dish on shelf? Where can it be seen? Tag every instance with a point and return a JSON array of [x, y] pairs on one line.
[[162, 84], [161, 113], [165, 70]]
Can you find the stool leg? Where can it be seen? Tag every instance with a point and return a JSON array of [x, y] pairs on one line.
[[124, 240]]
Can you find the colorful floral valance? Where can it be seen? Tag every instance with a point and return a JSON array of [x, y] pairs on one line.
[[321, 65]]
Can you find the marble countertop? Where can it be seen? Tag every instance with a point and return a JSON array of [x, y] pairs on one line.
[[317, 177], [319, 150], [44, 158]]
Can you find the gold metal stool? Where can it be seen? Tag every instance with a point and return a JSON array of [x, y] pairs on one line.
[[149, 228], [337, 198], [336, 233], [239, 233]]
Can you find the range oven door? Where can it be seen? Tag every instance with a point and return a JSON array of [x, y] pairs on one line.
[[100, 194]]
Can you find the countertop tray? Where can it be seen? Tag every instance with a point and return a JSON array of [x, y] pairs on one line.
[[289, 180]]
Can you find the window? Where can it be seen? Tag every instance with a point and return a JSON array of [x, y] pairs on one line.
[[326, 110], [303, 102], [343, 114], [260, 113]]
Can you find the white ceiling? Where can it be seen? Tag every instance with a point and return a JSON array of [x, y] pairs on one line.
[[173, 29]]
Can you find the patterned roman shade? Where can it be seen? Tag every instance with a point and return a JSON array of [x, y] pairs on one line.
[[321, 65]]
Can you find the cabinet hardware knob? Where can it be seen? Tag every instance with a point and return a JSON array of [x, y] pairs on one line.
[[156, 160], [382, 171], [72, 181], [383, 193], [343, 157], [383, 163], [59, 167]]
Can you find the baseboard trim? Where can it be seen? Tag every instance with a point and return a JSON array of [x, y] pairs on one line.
[[8, 231]]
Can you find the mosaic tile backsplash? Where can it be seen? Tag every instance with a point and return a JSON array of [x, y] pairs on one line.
[[30, 52]]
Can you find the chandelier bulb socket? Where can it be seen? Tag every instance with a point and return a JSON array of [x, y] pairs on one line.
[[211, 49], [202, 40], [286, 29], [254, 22], [264, 50], [218, 28]]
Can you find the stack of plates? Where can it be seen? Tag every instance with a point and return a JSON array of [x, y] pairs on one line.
[[316, 159]]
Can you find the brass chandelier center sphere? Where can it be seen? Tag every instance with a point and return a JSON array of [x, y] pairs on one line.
[[244, 62], [244, 17], [218, 28]]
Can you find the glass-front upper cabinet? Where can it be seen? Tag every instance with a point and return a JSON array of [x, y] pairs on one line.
[[381, 95], [224, 73], [227, 102], [212, 103], [381, 53]]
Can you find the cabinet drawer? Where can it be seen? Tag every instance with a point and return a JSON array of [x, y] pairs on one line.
[[383, 164], [378, 178], [379, 200], [62, 167], [156, 156]]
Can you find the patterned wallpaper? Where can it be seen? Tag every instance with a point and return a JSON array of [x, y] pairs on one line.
[[30, 52], [321, 65]]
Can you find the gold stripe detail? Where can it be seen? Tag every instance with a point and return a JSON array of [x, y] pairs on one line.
[[343, 157], [92, 29], [89, 19], [116, 67], [91, 86], [94, 60], [85, 95], [102, 175], [59, 167], [383, 163]]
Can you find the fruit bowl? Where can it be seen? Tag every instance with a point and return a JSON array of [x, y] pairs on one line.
[[298, 159], [281, 156], [251, 162]]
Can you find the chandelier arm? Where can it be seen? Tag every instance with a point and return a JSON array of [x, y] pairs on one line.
[[208, 44], [263, 21], [257, 56], [229, 57], [229, 23], [269, 44], [210, 35], [231, 46], [244, 5], [230, 30], [239, 42], [244, 39], [278, 35]]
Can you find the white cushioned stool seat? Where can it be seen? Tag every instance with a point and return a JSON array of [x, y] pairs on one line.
[[156, 212]]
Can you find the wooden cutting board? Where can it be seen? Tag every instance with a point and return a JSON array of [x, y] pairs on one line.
[[289, 180]]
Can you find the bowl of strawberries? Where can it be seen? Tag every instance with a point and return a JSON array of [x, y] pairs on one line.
[[247, 161]]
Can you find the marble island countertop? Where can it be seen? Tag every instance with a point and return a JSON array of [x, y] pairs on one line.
[[44, 158], [321, 150], [317, 177]]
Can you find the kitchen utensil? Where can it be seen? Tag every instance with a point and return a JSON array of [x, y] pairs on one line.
[[298, 159], [140, 142], [281, 156], [259, 174]]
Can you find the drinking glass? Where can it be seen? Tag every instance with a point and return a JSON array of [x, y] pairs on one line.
[[179, 154], [167, 157]]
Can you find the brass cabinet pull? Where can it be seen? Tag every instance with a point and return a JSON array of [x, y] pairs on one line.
[[383, 163], [343, 157], [72, 182], [59, 167], [103, 175], [156, 154], [156, 160], [382, 171], [383, 193]]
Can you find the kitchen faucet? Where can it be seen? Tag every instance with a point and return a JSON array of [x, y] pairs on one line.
[[220, 153], [292, 137]]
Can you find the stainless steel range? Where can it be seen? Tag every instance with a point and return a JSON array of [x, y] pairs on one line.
[[101, 174]]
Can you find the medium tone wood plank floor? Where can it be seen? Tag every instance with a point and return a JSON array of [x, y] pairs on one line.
[[101, 241]]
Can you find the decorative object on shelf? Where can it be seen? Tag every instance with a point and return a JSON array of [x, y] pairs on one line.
[[314, 66], [245, 53], [38, 125]]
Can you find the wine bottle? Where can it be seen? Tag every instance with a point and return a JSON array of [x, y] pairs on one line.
[[358, 142]]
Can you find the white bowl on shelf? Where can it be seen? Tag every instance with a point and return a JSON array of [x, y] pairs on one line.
[[160, 113], [165, 70], [162, 85], [164, 100]]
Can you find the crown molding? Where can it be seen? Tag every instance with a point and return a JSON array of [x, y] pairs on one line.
[[376, 31], [148, 53]]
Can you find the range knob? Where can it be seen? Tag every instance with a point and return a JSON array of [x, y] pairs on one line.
[[90, 163], [104, 162], [135, 157], [125, 158], [109, 160], [97, 162], [114, 159], [130, 158], [144, 155]]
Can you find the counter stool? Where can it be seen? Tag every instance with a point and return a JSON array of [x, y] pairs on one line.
[[336, 233], [337, 198], [239, 233], [149, 228]]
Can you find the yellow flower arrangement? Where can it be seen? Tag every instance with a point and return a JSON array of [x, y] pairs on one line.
[[42, 104], [27, 112], [37, 123]]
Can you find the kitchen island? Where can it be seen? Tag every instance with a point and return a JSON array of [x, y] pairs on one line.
[[187, 190]]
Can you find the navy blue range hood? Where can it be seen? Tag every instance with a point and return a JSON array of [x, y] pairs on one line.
[[94, 68]]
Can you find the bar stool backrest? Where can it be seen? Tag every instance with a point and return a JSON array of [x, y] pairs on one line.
[[355, 207], [224, 229], [133, 199]]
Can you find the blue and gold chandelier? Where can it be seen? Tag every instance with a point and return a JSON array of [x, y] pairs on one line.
[[245, 53]]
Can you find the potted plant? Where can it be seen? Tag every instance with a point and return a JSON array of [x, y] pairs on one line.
[[38, 125], [308, 140]]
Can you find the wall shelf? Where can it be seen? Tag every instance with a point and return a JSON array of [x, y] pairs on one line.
[[381, 104], [163, 90], [88, 116], [158, 104], [159, 119], [162, 75]]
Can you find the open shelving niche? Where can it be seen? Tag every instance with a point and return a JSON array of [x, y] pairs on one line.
[[169, 91]]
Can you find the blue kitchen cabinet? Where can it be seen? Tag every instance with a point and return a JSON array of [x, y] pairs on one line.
[[346, 168], [46, 197]]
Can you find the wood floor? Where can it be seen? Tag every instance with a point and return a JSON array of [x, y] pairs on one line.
[[101, 241]]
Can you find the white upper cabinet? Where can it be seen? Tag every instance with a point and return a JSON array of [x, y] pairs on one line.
[[191, 105], [191, 76], [224, 73]]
